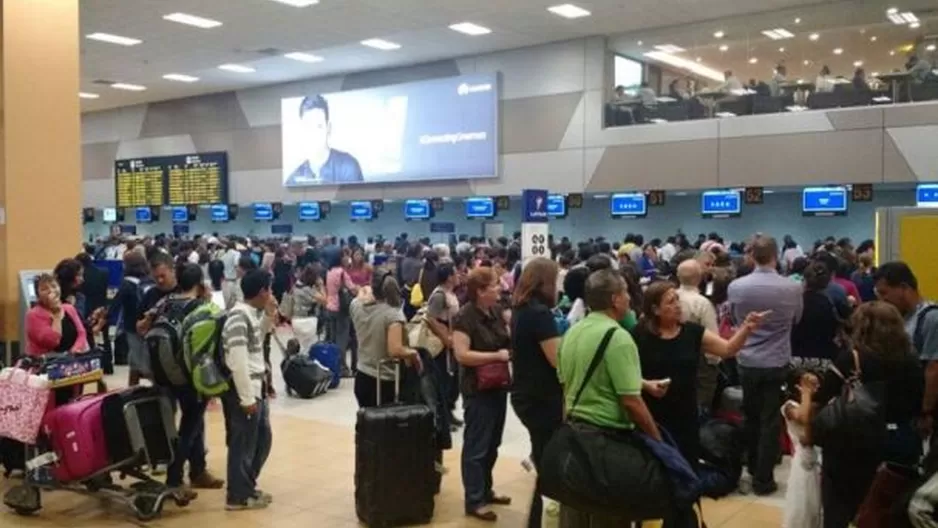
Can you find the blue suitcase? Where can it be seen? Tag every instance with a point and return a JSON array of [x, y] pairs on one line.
[[328, 355]]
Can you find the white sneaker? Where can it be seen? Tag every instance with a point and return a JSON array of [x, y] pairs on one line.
[[253, 503]]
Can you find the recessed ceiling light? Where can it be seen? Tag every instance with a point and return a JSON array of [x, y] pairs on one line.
[[180, 77], [128, 87], [669, 48], [857, 64], [914, 25], [899, 19], [875, 74], [724, 47], [470, 29], [753, 60], [298, 3], [569, 11], [719, 34], [381, 44], [930, 47], [778, 33], [806, 62], [237, 68], [640, 43], [88, 95], [192, 20], [873, 38], [892, 11], [838, 51], [814, 36], [699, 59], [892, 53], [114, 39], [781, 50], [303, 57], [797, 21]]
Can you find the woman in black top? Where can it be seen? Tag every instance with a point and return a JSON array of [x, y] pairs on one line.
[[480, 340], [885, 355], [672, 350], [814, 340], [536, 395], [128, 343]]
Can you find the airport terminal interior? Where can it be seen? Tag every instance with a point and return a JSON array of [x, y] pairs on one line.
[[283, 121]]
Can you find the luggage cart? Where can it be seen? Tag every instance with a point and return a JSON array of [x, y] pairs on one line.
[[145, 497]]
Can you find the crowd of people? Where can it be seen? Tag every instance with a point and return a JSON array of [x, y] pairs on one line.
[[687, 318]]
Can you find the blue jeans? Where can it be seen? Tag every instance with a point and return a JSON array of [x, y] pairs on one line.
[[485, 422], [190, 446], [249, 439]]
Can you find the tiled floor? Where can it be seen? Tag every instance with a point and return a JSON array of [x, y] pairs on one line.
[[310, 474]]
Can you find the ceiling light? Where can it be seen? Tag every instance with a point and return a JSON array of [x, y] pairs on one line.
[[569, 11], [806, 62], [669, 48], [797, 21], [640, 43], [88, 95], [719, 34], [838, 51], [873, 38], [914, 25], [753, 60], [699, 59], [724, 47], [909, 17], [778, 33], [875, 74], [303, 57], [470, 29], [192, 20], [384, 45], [899, 19], [814, 36], [781, 50], [892, 53], [930, 47], [857, 64], [237, 68], [691, 66], [128, 87], [114, 39], [298, 3], [180, 77], [892, 11]]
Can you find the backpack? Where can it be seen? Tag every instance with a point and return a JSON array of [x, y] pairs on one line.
[[721, 453], [164, 343], [141, 290], [203, 349], [855, 420], [918, 336]]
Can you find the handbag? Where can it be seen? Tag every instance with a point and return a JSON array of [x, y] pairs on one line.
[[416, 292], [345, 295], [855, 419], [604, 471], [24, 398], [493, 376]]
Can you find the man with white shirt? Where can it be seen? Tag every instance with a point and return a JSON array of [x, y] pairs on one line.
[[731, 84], [695, 308], [668, 250], [247, 415], [230, 260]]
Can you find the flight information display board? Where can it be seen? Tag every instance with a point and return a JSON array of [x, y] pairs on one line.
[[188, 179], [138, 183]]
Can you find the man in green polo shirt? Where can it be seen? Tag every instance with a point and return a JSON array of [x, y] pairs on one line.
[[613, 396]]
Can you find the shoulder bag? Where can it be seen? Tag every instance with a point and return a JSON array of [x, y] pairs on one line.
[[604, 471], [856, 419]]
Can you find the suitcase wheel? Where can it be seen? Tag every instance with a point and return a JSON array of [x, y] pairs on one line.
[[147, 506]]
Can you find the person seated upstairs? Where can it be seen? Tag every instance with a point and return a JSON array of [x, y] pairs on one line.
[[51, 325], [647, 95], [824, 82], [919, 68], [730, 84]]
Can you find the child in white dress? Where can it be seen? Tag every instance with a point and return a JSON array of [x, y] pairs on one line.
[[803, 495]]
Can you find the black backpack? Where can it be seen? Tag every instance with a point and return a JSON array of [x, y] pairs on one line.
[[721, 453], [164, 343]]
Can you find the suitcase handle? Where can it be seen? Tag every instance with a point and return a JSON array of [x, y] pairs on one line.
[[397, 379]]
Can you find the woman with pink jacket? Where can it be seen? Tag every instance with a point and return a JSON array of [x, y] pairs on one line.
[[51, 325]]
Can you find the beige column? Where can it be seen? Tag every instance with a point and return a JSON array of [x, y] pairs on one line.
[[40, 137]]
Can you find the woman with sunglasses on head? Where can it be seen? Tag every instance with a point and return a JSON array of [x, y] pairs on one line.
[[379, 324]]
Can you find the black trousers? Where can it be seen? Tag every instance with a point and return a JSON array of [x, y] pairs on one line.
[[762, 399], [541, 418], [366, 390]]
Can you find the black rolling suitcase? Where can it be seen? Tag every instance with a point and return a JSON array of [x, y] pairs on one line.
[[395, 462], [139, 425]]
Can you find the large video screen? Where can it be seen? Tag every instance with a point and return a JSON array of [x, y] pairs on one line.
[[440, 129]]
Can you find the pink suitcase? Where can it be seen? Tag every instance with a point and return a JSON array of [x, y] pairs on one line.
[[76, 431]]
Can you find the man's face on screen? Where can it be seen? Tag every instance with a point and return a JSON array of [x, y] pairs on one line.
[[315, 131]]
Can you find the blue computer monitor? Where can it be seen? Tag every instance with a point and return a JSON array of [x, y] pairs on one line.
[[720, 204], [263, 212], [418, 209], [309, 212], [824, 201], [628, 205], [220, 213], [361, 210], [926, 195], [144, 215], [557, 205], [480, 207], [180, 214]]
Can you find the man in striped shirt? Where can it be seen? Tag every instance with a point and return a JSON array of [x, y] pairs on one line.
[[247, 414]]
